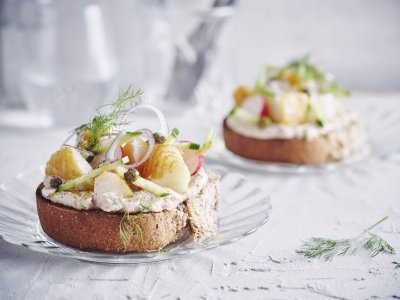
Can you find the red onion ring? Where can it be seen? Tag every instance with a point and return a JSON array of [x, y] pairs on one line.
[[80, 150], [110, 154], [114, 160], [151, 141], [67, 139], [79, 139], [163, 121], [108, 136]]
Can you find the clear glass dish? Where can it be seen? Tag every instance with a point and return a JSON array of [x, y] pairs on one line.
[[244, 208], [221, 154]]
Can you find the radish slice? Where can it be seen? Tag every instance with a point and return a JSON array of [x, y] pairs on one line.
[[163, 121], [254, 104], [264, 111], [193, 160]]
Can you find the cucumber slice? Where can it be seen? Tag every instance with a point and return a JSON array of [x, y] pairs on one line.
[[208, 142], [151, 187], [133, 177], [69, 184], [246, 117], [129, 136], [319, 123], [187, 145], [172, 136]]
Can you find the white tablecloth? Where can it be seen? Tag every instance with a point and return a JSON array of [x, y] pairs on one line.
[[336, 204]]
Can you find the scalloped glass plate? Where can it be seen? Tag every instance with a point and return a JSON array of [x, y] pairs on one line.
[[238, 218], [222, 155]]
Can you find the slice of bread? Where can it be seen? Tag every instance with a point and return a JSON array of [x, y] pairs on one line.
[[96, 230], [333, 146]]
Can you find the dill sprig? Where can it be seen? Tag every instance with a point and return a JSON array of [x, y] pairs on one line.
[[128, 226], [375, 244], [104, 123], [329, 248]]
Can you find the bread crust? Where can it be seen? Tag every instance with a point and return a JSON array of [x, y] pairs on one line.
[[96, 230], [325, 148]]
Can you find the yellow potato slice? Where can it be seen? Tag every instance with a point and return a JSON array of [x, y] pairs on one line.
[[67, 163], [167, 168]]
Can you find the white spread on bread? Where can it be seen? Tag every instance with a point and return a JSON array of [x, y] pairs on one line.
[[282, 131], [141, 201]]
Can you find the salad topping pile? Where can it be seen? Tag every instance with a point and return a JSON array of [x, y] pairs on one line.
[[107, 159], [298, 93]]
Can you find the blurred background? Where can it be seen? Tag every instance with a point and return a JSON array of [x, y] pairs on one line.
[[60, 59]]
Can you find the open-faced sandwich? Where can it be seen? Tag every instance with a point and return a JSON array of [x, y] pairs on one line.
[[120, 190], [293, 114]]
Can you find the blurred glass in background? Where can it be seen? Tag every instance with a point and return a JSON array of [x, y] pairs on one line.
[[183, 65], [62, 58], [199, 73], [69, 67]]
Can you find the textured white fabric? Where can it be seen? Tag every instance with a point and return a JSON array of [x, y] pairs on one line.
[[338, 204]]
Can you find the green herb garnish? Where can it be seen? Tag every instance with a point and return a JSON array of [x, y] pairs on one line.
[[319, 123], [104, 123], [194, 146], [172, 136], [146, 207], [128, 226], [328, 248]]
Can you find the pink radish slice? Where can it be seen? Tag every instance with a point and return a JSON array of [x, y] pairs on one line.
[[199, 165], [264, 111], [254, 104], [193, 160]]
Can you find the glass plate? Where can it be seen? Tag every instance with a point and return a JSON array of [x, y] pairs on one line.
[[222, 155], [244, 208]]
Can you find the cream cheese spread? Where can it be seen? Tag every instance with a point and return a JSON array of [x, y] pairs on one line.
[[282, 131], [141, 201]]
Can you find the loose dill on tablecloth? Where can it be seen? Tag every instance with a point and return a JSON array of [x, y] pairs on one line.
[[329, 248]]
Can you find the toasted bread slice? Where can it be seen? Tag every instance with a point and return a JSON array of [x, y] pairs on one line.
[[333, 146], [96, 230]]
